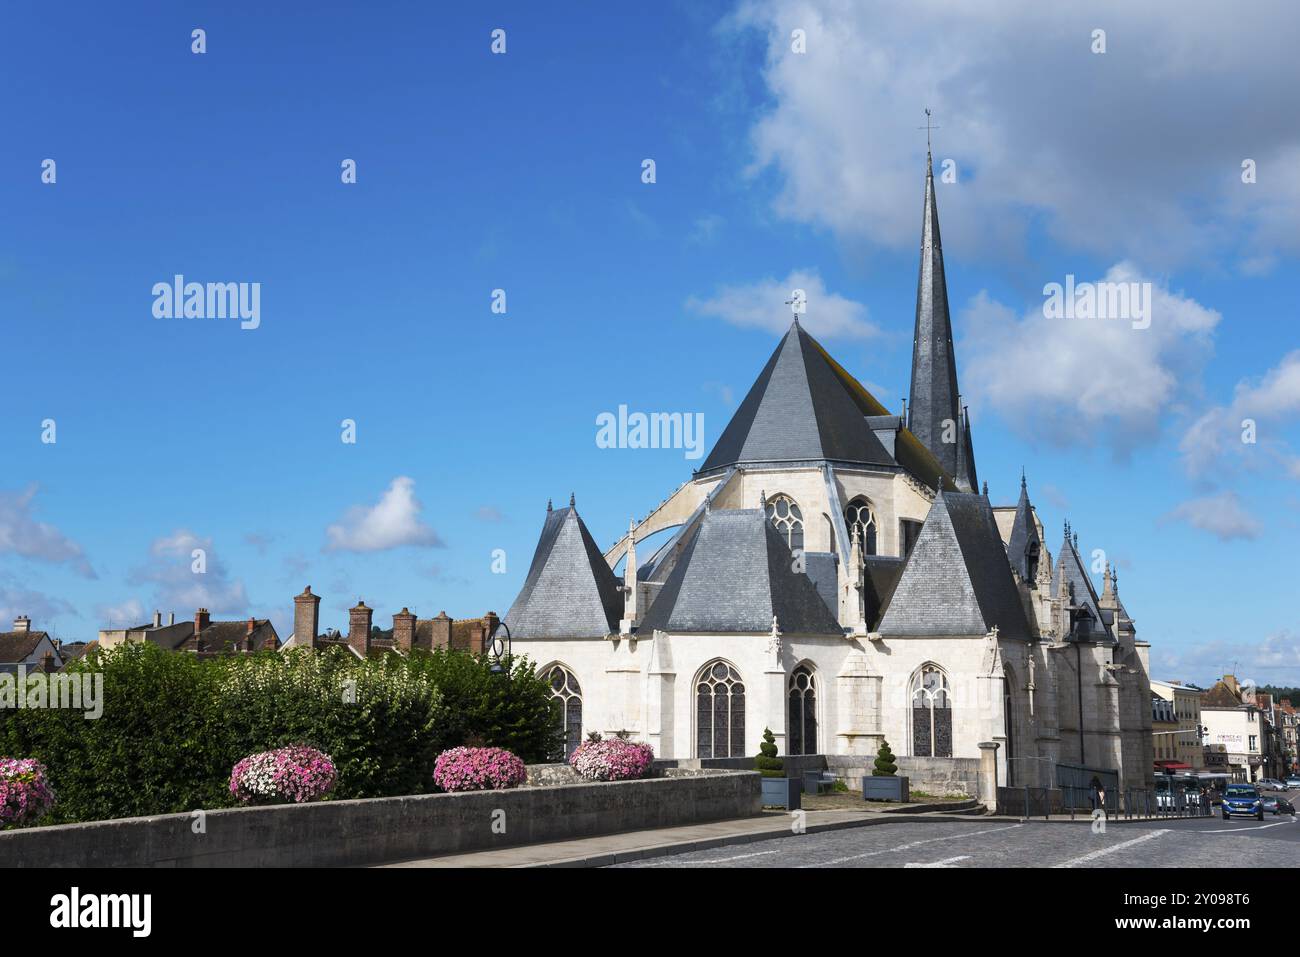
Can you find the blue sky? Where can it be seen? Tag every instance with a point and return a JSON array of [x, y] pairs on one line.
[[522, 172]]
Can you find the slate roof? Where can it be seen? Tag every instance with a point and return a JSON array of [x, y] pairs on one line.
[[934, 394], [1024, 534], [880, 578], [1082, 593], [227, 637], [734, 575], [957, 580], [823, 568], [570, 591], [798, 410], [16, 646]]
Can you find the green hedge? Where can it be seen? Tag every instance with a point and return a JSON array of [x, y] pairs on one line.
[[173, 726]]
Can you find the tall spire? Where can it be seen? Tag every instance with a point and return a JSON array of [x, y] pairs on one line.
[[934, 410]]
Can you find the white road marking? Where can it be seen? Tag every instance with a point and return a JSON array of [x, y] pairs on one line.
[[911, 844], [1093, 855], [946, 862], [1256, 827], [672, 862]]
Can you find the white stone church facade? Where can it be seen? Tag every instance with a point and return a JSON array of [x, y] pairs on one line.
[[836, 574]]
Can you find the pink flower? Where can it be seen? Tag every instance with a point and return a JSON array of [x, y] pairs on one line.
[[478, 769], [296, 774], [613, 759], [25, 792]]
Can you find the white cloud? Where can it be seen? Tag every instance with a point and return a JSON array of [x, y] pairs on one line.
[[1216, 439], [21, 534], [762, 305], [183, 582], [42, 609], [1275, 658], [489, 513], [1221, 514], [1134, 152], [126, 614], [1076, 381], [392, 522]]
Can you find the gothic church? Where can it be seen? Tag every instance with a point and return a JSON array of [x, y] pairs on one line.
[[836, 574]]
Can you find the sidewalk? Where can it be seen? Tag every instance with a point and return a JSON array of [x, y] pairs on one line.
[[610, 849], [637, 845]]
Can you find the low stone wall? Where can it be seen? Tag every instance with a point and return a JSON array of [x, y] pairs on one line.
[[795, 764], [379, 830], [948, 777]]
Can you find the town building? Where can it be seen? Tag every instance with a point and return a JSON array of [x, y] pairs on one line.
[[1234, 732], [835, 573], [363, 639], [201, 636], [1185, 751], [23, 647]]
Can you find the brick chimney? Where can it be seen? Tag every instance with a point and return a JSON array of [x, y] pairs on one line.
[[490, 623], [404, 630], [1231, 682], [306, 618], [22, 624], [359, 627], [201, 620], [47, 663], [440, 631]]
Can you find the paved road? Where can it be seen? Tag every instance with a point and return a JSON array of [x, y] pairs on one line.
[[973, 842]]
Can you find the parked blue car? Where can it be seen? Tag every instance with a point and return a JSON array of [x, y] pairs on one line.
[[1242, 800]]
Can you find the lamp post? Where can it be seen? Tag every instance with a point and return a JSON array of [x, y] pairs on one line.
[[499, 649]]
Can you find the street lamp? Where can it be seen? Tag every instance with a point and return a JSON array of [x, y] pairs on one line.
[[499, 648]]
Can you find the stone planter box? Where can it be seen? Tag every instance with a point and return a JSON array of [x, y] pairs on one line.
[[890, 788], [781, 792]]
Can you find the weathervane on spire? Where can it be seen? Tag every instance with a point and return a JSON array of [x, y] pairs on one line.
[[927, 129], [798, 302]]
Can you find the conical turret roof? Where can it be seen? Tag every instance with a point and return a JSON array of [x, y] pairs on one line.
[[804, 407], [570, 591]]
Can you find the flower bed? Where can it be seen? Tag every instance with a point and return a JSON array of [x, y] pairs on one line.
[[296, 774], [25, 792], [478, 769], [612, 760]]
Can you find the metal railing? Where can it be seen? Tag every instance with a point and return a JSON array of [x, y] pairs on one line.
[[1128, 804]]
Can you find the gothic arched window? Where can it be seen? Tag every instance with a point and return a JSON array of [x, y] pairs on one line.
[[802, 736], [1031, 562], [931, 713], [720, 712], [566, 702], [783, 512], [860, 515]]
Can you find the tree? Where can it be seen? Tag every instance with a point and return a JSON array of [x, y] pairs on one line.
[[885, 766], [767, 763]]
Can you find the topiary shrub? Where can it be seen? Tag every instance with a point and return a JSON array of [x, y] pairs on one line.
[[478, 769], [293, 775], [25, 792], [616, 759], [767, 763], [884, 765]]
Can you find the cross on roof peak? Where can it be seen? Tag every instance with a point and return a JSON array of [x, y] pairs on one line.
[[928, 127]]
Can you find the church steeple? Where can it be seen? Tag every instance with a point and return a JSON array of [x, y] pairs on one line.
[[934, 411]]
